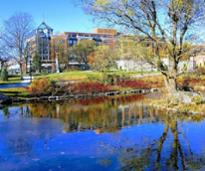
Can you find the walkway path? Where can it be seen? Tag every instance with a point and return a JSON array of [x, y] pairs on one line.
[[25, 83]]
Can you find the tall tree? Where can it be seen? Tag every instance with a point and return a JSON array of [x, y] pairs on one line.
[[103, 58], [164, 24], [4, 56], [4, 53], [16, 30], [36, 63], [82, 50], [60, 51]]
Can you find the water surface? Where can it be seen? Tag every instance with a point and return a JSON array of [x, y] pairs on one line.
[[14, 85], [99, 134]]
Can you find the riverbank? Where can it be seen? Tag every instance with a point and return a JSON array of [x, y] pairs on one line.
[[195, 107], [84, 96], [157, 99], [86, 85], [77, 84]]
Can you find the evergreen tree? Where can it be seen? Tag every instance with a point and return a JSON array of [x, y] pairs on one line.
[[36, 63], [4, 74]]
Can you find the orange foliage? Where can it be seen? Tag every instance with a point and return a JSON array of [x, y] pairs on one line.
[[40, 86]]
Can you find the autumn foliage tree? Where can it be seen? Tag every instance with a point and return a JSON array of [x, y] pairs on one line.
[[126, 47], [103, 58], [164, 24], [81, 51], [61, 52]]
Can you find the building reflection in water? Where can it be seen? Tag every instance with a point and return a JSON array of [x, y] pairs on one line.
[[107, 116]]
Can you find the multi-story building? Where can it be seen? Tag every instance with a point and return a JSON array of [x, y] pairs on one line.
[[100, 36], [49, 48], [40, 46]]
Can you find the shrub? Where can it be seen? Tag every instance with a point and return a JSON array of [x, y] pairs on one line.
[[90, 87], [133, 84], [200, 71], [188, 82], [198, 100], [114, 78], [154, 82], [41, 86]]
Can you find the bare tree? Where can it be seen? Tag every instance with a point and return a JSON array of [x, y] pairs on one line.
[[4, 56], [4, 53], [16, 30], [165, 24]]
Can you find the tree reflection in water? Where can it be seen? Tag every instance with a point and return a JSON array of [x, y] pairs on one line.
[[170, 151], [180, 157]]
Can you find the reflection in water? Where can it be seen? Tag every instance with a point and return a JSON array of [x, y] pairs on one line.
[[99, 134]]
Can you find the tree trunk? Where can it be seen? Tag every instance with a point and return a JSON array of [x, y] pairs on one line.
[[26, 66], [21, 71], [2, 65], [170, 84]]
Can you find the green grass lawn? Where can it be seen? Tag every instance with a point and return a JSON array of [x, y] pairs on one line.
[[71, 75], [15, 92], [74, 76], [85, 75], [80, 76]]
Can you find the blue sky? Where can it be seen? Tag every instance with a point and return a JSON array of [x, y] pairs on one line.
[[62, 15]]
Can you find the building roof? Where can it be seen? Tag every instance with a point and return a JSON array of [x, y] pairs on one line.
[[43, 25], [88, 34]]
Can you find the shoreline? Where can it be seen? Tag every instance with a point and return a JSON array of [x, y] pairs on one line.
[[82, 96], [152, 102]]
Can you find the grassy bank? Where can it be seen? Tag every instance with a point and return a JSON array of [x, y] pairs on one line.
[[197, 105], [15, 92], [12, 79], [71, 76], [87, 75], [82, 82], [81, 76]]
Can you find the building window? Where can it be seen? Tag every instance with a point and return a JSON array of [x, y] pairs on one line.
[[72, 42]]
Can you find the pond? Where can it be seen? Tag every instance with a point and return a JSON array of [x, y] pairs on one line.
[[14, 85], [99, 134]]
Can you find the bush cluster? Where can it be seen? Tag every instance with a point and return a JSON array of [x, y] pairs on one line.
[[90, 87], [200, 71], [41, 87], [110, 82], [198, 100], [138, 84], [111, 78]]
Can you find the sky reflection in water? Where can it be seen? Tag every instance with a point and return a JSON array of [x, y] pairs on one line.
[[99, 134]]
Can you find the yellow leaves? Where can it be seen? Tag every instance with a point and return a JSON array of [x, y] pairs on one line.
[[182, 5], [184, 51], [145, 52], [127, 47], [102, 2], [178, 3], [130, 12], [103, 58]]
